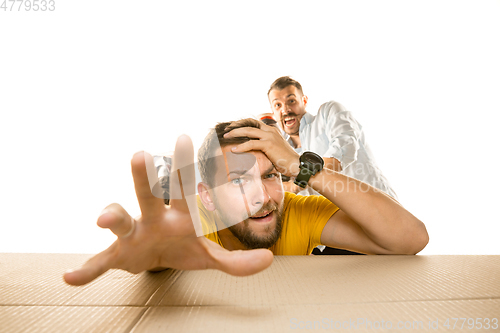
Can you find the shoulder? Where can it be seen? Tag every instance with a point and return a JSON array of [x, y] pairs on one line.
[[330, 108], [306, 205], [292, 200], [307, 216]]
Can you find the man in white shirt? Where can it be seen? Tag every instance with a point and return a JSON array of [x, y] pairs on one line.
[[333, 134]]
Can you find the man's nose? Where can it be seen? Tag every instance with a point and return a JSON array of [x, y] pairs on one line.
[[285, 110], [260, 198]]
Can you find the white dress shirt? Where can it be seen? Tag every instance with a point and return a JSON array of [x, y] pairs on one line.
[[334, 132]]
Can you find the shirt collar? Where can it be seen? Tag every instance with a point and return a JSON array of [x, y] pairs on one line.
[[306, 119]]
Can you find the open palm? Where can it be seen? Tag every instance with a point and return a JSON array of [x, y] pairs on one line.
[[163, 236]]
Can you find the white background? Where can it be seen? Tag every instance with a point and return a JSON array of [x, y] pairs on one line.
[[84, 87]]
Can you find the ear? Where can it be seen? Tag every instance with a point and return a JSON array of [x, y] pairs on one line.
[[272, 109], [304, 100], [206, 197]]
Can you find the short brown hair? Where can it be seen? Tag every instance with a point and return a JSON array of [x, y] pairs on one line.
[[283, 82], [206, 162]]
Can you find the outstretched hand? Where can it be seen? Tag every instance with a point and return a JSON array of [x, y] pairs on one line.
[[163, 236]]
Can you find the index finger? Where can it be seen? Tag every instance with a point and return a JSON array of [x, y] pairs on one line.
[[183, 175], [149, 204], [250, 132], [182, 184]]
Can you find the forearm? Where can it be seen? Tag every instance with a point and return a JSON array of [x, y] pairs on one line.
[[382, 219], [343, 133], [332, 163]]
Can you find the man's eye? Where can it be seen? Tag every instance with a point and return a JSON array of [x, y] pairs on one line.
[[276, 106], [292, 101], [237, 181], [271, 176]]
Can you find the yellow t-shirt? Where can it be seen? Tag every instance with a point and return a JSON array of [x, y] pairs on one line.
[[304, 218]]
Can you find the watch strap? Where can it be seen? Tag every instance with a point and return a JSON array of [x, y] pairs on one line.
[[303, 177]]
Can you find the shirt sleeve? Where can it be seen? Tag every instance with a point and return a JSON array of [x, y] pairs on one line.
[[321, 211], [312, 213], [343, 132]]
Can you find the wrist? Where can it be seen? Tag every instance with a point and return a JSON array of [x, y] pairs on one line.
[[310, 164], [289, 167], [295, 168]]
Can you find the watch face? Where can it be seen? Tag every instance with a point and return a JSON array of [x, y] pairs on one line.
[[312, 161]]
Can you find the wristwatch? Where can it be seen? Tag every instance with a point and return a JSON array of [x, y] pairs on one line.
[[310, 164]]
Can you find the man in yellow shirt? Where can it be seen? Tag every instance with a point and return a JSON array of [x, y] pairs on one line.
[[245, 208], [291, 224]]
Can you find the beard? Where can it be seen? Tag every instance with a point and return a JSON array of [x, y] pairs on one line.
[[248, 238]]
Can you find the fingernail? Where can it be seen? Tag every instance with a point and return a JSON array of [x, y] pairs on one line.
[[234, 148]]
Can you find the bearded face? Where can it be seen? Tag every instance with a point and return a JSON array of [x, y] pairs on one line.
[[249, 200], [260, 230]]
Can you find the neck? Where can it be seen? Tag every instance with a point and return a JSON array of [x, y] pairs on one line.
[[296, 140]]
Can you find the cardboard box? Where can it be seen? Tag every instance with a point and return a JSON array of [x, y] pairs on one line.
[[331, 293]]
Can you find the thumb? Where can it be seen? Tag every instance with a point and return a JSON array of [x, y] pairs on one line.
[[243, 263]]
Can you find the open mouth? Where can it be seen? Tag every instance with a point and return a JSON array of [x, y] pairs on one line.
[[262, 217], [289, 121]]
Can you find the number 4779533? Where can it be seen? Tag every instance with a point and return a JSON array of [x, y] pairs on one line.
[[28, 5]]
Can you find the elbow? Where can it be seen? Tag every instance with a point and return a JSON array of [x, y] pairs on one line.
[[419, 240], [414, 241], [425, 241]]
